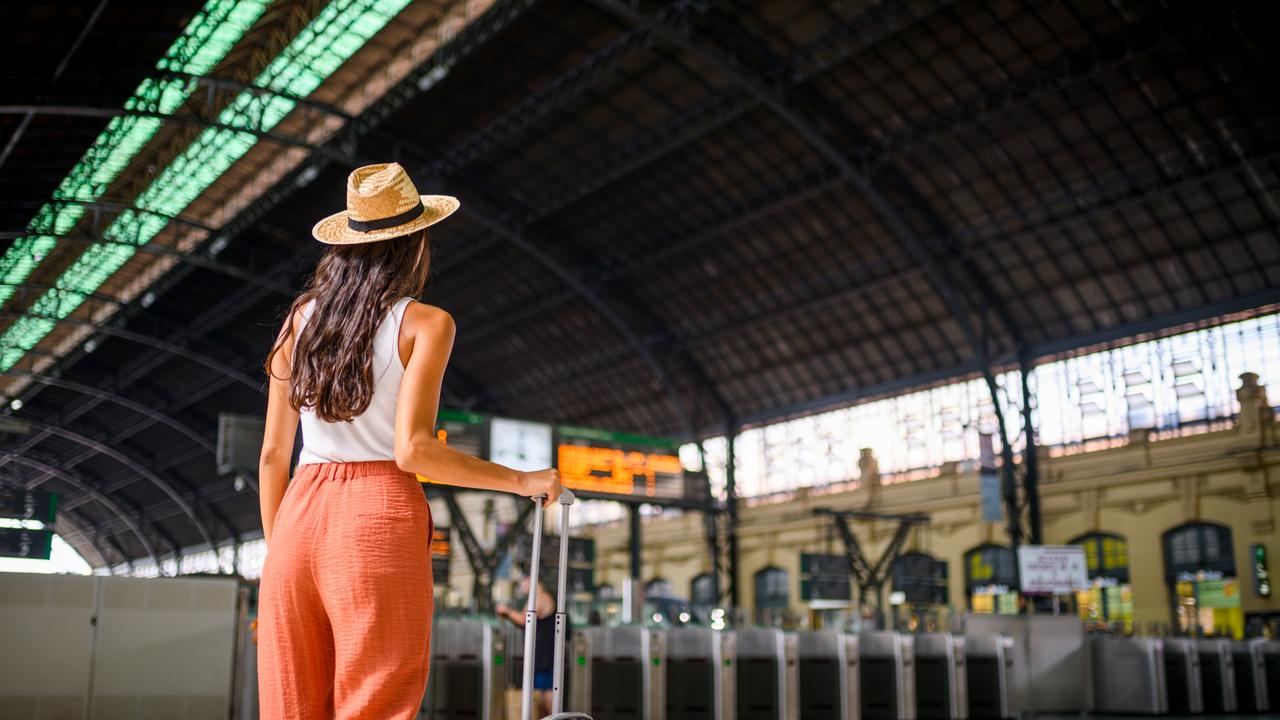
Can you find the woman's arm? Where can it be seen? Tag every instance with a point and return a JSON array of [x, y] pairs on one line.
[[416, 447], [277, 439]]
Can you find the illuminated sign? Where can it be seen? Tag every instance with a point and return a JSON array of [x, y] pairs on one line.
[[440, 556], [606, 463], [1261, 574]]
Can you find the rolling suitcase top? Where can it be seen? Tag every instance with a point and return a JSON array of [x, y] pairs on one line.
[[562, 618]]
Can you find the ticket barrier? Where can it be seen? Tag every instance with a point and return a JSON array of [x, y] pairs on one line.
[[768, 682], [1250, 664], [941, 677], [619, 673], [990, 676], [1182, 676], [1271, 666], [701, 669], [828, 676], [887, 677], [1217, 675], [467, 679], [1129, 676]]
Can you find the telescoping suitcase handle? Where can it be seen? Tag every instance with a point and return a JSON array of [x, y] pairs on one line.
[[562, 619]]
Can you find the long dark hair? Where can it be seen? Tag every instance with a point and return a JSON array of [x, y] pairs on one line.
[[353, 287]]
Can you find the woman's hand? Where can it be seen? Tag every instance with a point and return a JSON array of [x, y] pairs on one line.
[[542, 482]]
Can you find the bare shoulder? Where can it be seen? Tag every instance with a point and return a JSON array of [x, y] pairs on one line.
[[428, 319]]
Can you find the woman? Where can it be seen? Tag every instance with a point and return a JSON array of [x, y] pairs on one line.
[[344, 608]]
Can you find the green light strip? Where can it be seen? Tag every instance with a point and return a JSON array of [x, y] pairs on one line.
[[201, 46], [341, 29]]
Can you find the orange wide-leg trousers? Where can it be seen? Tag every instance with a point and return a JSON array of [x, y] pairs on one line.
[[344, 608]]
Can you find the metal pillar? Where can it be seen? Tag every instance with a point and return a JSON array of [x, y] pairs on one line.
[[731, 504], [1031, 476], [633, 540]]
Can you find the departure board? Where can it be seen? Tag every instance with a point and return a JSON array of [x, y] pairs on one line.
[[25, 543], [603, 463], [440, 556], [582, 558], [824, 577], [28, 503], [464, 431]]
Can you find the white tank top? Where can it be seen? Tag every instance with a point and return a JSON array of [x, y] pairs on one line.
[[370, 435]]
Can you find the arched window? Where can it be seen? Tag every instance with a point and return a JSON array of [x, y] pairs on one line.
[[773, 595], [1200, 567], [1109, 598], [702, 591], [657, 587], [1198, 547], [1106, 554], [921, 578], [991, 579]]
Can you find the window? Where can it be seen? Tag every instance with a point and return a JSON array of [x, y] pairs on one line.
[[991, 579], [773, 595], [1108, 601], [702, 591], [1200, 568]]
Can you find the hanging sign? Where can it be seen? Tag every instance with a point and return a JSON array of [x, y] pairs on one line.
[[26, 543], [825, 577], [440, 556], [28, 503], [1052, 569]]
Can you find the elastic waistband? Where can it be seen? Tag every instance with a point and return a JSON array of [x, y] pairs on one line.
[[351, 470]]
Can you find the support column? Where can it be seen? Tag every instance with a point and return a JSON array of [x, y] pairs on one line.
[[633, 540], [731, 505], [1031, 472]]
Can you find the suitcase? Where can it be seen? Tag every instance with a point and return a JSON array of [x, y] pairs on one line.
[[562, 618]]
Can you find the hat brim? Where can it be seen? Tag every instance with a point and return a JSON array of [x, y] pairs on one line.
[[334, 230]]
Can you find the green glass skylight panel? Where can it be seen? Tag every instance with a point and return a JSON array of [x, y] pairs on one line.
[[329, 40], [201, 46]]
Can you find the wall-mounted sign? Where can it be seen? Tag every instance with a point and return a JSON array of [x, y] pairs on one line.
[[1052, 569], [25, 543], [1218, 594], [28, 504], [1261, 574], [602, 463], [440, 556], [921, 578], [825, 577]]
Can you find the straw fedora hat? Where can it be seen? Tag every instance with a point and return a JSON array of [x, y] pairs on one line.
[[382, 203]]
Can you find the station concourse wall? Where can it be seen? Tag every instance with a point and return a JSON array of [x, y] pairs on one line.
[[1138, 487]]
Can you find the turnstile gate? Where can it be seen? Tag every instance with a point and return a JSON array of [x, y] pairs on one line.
[[941, 677], [768, 675], [1250, 665], [1271, 668], [1217, 675], [989, 671], [466, 681], [1182, 676], [619, 673], [1129, 676], [887, 676], [828, 676], [701, 668]]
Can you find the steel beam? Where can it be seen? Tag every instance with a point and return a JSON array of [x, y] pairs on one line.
[[90, 491], [137, 466], [201, 439], [201, 261]]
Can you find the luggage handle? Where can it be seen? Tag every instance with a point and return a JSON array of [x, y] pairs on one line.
[[566, 501]]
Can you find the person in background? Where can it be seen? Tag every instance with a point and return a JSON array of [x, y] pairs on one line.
[[545, 650]]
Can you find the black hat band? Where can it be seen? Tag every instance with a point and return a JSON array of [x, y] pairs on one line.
[[387, 222]]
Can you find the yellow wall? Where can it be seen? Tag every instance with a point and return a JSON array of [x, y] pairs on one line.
[[1138, 490]]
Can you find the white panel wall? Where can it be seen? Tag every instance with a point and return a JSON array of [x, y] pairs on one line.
[[161, 647]]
